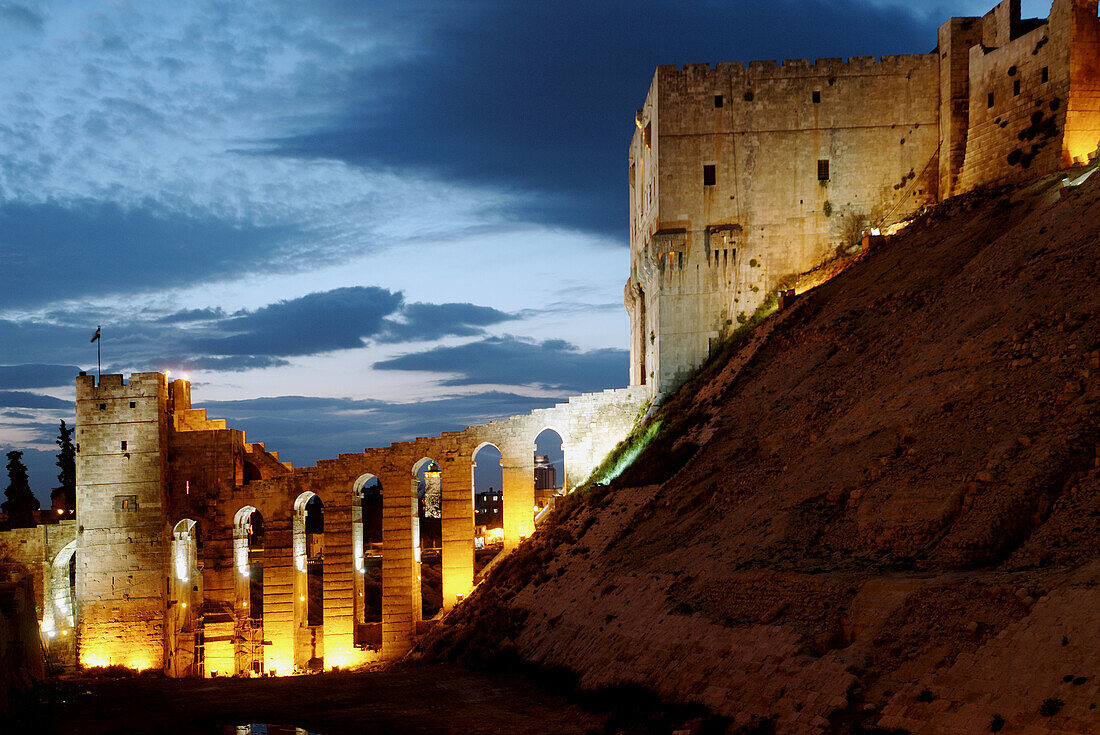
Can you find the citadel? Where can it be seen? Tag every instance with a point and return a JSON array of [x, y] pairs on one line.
[[199, 553]]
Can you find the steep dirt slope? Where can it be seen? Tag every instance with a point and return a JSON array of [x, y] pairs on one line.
[[888, 517]]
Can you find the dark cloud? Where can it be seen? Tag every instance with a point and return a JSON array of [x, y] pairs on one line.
[[93, 248], [37, 375], [25, 399], [341, 319], [304, 430], [539, 98], [318, 322], [192, 315], [432, 321], [512, 361], [20, 15], [233, 363]]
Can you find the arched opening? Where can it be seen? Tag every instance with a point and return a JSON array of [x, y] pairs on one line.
[[185, 633], [488, 484], [309, 582], [428, 536], [251, 473], [248, 555], [366, 542], [59, 615], [549, 469]]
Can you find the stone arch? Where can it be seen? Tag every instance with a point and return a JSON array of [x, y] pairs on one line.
[[366, 542], [549, 482], [427, 479], [248, 562], [59, 616], [488, 504], [184, 618], [309, 587]]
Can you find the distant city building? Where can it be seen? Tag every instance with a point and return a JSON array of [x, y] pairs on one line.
[[489, 509], [546, 480]]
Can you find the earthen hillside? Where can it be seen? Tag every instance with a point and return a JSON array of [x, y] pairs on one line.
[[888, 517]]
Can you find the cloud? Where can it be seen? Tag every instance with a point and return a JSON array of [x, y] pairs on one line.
[[538, 98], [192, 315], [512, 361], [86, 248], [432, 321], [341, 319], [21, 16], [305, 429], [37, 375], [25, 399]]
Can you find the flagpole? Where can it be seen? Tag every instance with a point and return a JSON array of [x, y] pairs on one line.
[[99, 354]]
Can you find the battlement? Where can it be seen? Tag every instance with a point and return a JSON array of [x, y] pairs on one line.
[[772, 69]]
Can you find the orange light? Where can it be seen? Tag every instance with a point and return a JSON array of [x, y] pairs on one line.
[[60, 511]]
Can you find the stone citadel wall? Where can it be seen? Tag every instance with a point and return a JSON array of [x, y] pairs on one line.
[[741, 175], [163, 557]]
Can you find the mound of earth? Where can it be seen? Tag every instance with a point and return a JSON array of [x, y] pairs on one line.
[[879, 514]]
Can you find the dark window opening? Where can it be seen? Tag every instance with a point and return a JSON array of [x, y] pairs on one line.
[[749, 96], [718, 101], [817, 97], [823, 170], [1016, 88], [680, 260], [733, 254], [133, 404], [102, 406], [710, 176], [989, 101], [124, 446], [716, 257], [1046, 74]]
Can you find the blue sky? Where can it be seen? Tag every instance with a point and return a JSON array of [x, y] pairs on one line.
[[349, 222]]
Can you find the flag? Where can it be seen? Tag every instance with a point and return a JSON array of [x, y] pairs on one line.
[[96, 335]]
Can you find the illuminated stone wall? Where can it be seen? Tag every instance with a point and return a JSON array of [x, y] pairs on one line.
[[147, 585], [1034, 106], [729, 192], [41, 554], [732, 193], [121, 477]]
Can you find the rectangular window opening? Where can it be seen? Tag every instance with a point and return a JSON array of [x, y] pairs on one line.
[[989, 101], [124, 446], [133, 404], [680, 260], [102, 406], [1046, 74], [749, 96], [817, 97], [1016, 88], [718, 101], [710, 176], [716, 257], [823, 170]]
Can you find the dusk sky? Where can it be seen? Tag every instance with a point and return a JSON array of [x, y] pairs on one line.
[[350, 223]]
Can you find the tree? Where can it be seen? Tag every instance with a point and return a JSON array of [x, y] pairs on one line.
[[21, 503], [64, 496]]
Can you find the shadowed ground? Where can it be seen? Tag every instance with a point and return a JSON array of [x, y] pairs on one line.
[[436, 699]]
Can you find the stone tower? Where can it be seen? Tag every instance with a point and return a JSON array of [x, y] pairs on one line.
[[121, 476]]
